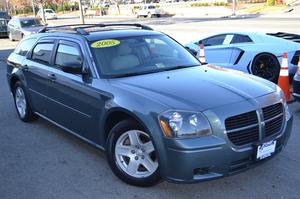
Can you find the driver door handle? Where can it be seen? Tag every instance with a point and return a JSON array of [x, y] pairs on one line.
[[52, 76]]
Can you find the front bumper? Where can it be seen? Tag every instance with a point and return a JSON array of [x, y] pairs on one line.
[[210, 157]]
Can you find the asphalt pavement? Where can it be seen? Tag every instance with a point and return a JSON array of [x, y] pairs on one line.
[[39, 160]]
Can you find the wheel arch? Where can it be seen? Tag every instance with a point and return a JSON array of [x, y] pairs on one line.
[[13, 80], [117, 114]]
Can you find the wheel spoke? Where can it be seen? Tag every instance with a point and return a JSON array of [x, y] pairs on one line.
[[134, 138], [132, 167], [149, 164], [148, 146], [123, 150]]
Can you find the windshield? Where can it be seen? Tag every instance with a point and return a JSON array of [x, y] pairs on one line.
[[49, 11], [30, 23], [140, 55]]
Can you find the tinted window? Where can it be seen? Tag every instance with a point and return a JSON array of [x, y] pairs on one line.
[[42, 52], [25, 46], [30, 23], [240, 39], [139, 55], [67, 54], [213, 41]]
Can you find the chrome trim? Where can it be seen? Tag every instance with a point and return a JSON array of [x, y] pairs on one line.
[[71, 132], [261, 128], [242, 128], [273, 118]]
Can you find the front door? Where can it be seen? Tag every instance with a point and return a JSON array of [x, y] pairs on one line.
[[75, 104]]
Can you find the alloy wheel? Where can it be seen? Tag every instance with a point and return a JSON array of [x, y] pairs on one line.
[[134, 154], [20, 101]]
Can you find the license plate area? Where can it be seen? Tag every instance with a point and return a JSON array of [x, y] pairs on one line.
[[265, 149]]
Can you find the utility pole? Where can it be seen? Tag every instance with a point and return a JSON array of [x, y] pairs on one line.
[[43, 13], [81, 12], [33, 9], [233, 7]]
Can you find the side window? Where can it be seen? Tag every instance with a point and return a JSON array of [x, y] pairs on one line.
[[42, 52], [214, 41], [25, 46], [67, 53], [240, 39]]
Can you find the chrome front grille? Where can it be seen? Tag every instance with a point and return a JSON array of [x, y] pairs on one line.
[[246, 129]]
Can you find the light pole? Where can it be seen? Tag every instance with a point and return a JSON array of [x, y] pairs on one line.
[[81, 12], [233, 7], [33, 9]]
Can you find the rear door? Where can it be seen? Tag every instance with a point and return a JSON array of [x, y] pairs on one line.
[[75, 104], [36, 73], [218, 49]]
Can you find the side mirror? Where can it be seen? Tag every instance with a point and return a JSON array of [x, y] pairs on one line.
[[72, 67], [192, 51]]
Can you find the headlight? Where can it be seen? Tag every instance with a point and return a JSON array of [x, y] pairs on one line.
[[184, 124]]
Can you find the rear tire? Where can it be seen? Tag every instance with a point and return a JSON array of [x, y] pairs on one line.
[[131, 154], [23, 108], [266, 65]]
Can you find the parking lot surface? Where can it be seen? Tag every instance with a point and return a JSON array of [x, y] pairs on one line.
[[39, 160]]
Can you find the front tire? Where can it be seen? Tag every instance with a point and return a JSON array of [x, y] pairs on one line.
[[10, 37], [131, 154], [23, 108], [266, 66]]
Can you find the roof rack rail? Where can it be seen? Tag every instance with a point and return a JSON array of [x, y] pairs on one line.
[[125, 24], [79, 28]]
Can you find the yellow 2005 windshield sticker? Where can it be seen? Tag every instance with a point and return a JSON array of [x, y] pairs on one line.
[[105, 43]]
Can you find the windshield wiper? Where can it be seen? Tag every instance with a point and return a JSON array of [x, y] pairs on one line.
[[128, 74], [179, 67], [152, 71]]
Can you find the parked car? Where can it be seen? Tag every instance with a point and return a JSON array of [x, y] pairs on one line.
[[296, 85], [49, 14], [5, 15], [149, 10], [255, 53], [150, 104], [21, 27], [3, 27]]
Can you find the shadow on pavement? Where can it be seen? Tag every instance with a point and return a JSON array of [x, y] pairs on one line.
[[4, 54]]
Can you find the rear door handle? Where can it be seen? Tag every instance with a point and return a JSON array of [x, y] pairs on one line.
[[52, 76]]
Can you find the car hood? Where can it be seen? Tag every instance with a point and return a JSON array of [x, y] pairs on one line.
[[33, 29], [200, 88]]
